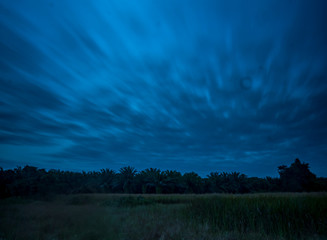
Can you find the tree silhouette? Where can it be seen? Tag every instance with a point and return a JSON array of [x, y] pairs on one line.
[[297, 177], [107, 180], [152, 180], [30, 181], [233, 182], [193, 182], [125, 179], [172, 182], [215, 182]]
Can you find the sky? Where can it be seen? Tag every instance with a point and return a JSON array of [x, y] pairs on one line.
[[183, 85]]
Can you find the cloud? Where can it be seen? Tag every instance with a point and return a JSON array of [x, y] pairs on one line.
[[210, 86]]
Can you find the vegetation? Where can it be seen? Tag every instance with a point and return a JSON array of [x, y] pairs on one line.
[[273, 216], [284, 216], [153, 204], [31, 181]]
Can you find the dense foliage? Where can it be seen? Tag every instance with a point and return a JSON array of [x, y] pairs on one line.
[[31, 181]]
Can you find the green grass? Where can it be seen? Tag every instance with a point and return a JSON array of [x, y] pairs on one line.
[[175, 217], [290, 216]]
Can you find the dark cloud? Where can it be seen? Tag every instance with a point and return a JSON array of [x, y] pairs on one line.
[[227, 86]]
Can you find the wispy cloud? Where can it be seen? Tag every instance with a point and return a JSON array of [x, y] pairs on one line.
[[179, 85]]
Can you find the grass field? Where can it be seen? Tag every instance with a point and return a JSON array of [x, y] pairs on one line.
[[151, 217]]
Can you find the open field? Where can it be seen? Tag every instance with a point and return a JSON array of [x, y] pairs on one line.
[[119, 216]]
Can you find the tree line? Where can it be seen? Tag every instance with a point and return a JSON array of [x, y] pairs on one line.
[[31, 181]]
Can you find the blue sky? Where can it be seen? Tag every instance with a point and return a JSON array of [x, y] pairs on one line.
[[185, 85]]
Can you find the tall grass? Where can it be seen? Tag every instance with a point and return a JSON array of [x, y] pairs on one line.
[[290, 216], [166, 217], [106, 217]]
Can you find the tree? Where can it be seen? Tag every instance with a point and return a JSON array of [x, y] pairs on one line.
[[297, 177], [107, 177], [192, 182], [151, 180], [172, 182], [30, 181], [233, 182], [215, 182], [125, 179]]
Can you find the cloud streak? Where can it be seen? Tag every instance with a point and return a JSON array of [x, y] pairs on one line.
[[188, 86]]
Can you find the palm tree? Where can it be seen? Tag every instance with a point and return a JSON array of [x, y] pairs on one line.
[[107, 179], [215, 180], [172, 181], [125, 178], [193, 182], [152, 180]]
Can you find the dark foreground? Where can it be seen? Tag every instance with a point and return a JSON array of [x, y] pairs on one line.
[[103, 216]]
